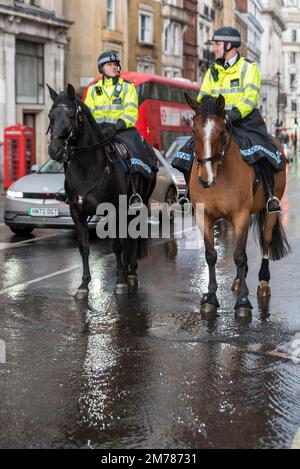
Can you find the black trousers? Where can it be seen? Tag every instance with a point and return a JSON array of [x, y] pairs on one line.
[[268, 175]]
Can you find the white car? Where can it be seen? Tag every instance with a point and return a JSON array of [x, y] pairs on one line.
[[30, 201]]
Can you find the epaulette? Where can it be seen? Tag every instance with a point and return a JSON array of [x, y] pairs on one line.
[[250, 61]]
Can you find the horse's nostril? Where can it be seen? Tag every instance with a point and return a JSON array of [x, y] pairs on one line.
[[204, 183]]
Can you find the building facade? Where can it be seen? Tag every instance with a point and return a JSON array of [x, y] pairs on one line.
[[97, 26], [206, 27], [290, 64], [272, 97], [145, 36], [190, 50], [33, 36], [174, 24]]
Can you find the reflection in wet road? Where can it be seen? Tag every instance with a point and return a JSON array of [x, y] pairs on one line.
[[146, 370]]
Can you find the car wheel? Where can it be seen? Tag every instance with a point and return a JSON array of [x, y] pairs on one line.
[[170, 199], [21, 231]]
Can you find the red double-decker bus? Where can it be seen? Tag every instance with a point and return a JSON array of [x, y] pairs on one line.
[[163, 111]]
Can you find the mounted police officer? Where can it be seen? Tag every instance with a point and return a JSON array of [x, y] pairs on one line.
[[112, 100], [114, 104], [239, 80]]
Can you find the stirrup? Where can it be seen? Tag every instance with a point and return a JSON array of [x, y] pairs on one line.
[[183, 204], [270, 200], [136, 201]]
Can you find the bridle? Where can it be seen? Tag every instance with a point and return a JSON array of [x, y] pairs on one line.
[[70, 149], [224, 146], [74, 132]]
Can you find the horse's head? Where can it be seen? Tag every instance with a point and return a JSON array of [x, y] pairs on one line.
[[210, 136], [65, 118]]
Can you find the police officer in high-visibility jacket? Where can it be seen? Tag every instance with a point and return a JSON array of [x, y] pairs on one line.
[[238, 80], [112, 100], [114, 104]]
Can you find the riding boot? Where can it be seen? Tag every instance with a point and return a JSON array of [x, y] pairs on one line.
[[272, 202]]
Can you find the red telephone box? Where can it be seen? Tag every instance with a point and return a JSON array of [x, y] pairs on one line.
[[19, 152]]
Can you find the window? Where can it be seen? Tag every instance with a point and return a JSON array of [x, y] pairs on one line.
[[294, 35], [145, 29], [167, 38], [144, 67], [29, 72], [36, 3], [111, 14], [294, 106], [293, 57], [292, 80], [206, 11]]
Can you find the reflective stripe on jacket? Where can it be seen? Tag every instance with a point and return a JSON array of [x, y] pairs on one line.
[[106, 107], [239, 84]]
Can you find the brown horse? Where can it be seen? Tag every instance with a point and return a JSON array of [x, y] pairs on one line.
[[223, 182]]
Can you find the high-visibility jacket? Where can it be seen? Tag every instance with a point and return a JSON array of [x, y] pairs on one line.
[[109, 102], [239, 84]]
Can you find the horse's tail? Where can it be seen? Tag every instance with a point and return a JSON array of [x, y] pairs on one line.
[[279, 246]]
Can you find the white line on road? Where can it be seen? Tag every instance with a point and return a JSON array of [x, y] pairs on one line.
[[20, 243], [39, 279], [296, 442]]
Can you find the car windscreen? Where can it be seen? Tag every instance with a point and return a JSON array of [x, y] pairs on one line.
[[51, 167]]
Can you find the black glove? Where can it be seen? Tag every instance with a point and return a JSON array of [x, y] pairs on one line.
[[120, 125], [232, 115], [110, 130]]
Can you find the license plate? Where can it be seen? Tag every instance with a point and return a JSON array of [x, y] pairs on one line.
[[43, 212]]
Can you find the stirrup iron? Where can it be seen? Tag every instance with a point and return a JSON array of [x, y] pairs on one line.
[[136, 201], [270, 199]]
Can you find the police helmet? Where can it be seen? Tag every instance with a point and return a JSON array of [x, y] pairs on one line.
[[108, 56], [227, 34]]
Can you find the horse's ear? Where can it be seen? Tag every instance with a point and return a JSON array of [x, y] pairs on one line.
[[71, 92], [192, 102], [221, 102], [52, 92]]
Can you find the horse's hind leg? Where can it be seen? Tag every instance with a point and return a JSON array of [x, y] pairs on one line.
[[121, 283], [81, 225], [263, 289]]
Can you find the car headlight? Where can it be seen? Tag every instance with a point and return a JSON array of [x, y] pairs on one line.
[[14, 194]]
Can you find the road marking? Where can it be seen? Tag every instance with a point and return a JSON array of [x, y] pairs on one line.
[[296, 442], [20, 243], [39, 279]]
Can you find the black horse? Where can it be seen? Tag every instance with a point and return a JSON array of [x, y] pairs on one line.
[[93, 175]]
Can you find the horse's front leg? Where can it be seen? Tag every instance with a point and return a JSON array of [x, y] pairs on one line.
[[80, 221], [243, 306], [209, 301]]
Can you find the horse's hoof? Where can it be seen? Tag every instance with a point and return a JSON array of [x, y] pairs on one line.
[[207, 308], [121, 288], [243, 312], [81, 293], [263, 289], [132, 281], [236, 285]]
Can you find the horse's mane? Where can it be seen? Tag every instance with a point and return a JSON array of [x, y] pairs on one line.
[[209, 107], [88, 115]]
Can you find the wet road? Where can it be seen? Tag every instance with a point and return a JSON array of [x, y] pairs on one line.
[[146, 370]]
